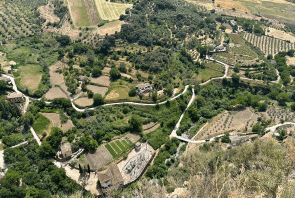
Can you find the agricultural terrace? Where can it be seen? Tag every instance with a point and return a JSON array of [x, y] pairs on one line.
[[111, 11], [107, 153], [211, 70], [16, 20], [83, 13], [268, 45], [238, 52]]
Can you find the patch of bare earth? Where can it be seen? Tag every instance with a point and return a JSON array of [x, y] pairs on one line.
[[47, 13], [91, 12], [110, 28], [152, 129], [229, 4], [112, 95], [90, 181], [31, 81], [84, 102], [96, 89], [133, 137], [55, 77], [65, 89], [106, 70], [55, 121], [67, 126], [54, 118], [147, 126], [280, 34], [102, 80], [290, 60], [55, 92], [125, 75]]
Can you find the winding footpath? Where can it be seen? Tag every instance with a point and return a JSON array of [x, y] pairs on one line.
[[173, 133]]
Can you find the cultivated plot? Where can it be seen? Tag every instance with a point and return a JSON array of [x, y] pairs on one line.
[[111, 11]]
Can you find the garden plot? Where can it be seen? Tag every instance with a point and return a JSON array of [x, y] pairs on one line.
[[111, 11], [152, 129], [56, 122], [148, 126], [55, 92], [99, 159], [102, 80], [84, 102], [55, 77], [96, 89], [238, 121], [118, 93]]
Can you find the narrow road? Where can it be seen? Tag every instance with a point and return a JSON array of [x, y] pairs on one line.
[[173, 133], [273, 128]]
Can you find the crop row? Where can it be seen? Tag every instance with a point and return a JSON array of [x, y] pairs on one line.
[[268, 45]]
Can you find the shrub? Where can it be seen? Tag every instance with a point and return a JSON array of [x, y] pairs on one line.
[[132, 92]]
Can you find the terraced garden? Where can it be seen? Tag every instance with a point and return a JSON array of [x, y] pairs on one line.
[[268, 45], [118, 147]]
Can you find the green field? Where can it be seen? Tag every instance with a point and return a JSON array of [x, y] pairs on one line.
[[120, 145], [125, 143], [212, 70], [115, 147], [111, 11], [30, 76], [128, 141], [269, 8], [111, 151], [79, 13], [41, 123]]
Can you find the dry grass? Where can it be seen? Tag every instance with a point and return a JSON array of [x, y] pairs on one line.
[[55, 77], [106, 70], [290, 60], [152, 129], [111, 11], [280, 34], [79, 13], [102, 80], [100, 90], [230, 4], [55, 92], [30, 76], [84, 102], [110, 28], [47, 13]]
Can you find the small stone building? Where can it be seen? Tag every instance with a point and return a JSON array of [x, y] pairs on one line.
[[66, 150], [110, 177], [137, 146], [144, 88], [15, 98]]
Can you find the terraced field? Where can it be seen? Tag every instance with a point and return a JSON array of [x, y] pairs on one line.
[[268, 45]]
